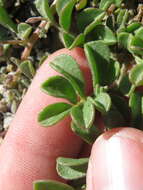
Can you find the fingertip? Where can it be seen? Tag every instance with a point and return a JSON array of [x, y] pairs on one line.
[[115, 161]]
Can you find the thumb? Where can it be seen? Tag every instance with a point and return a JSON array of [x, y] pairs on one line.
[[116, 161]]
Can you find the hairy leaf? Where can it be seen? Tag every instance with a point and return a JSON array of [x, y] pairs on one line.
[[68, 67], [105, 100], [27, 68], [24, 30], [98, 56], [53, 113], [60, 87], [71, 169], [88, 113]]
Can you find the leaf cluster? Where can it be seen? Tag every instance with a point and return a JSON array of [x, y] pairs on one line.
[[111, 34]]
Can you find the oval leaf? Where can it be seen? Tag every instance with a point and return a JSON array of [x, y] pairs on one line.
[[136, 45], [88, 113], [77, 115], [68, 67], [72, 169], [60, 87], [98, 56], [139, 33], [133, 26], [104, 33], [124, 38], [53, 113], [86, 17], [6, 21], [44, 9], [27, 68], [88, 136], [136, 75], [24, 30], [105, 4], [51, 185], [81, 4], [65, 12], [104, 99]]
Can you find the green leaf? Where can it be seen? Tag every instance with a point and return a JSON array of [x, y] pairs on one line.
[[44, 9], [87, 17], [138, 60], [139, 33], [98, 56], [136, 75], [122, 104], [104, 33], [24, 30], [68, 67], [59, 87], [113, 118], [113, 71], [60, 4], [97, 105], [124, 39], [92, 25], [88, 136], [88, 114], [67, 39], [136, 45], [78, 125], [6, 21], [104, 99], [122, 19], [81, 4], [53, 113], [135, 103], [64, 9], [125, 85], [72, 169], [133, 26], [118, 2], [105, 4], [79, 40], [27, 68], [51, 185], [77, 115]]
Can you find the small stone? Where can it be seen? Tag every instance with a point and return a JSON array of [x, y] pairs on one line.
[[7, 120], [3, 106]]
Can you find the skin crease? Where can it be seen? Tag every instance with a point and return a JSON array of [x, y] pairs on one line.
[[29, 151]]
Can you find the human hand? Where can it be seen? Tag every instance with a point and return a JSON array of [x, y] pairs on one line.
[[29, 151]]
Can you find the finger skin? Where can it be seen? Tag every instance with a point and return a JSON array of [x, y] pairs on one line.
[[116, 161], [29, 150]]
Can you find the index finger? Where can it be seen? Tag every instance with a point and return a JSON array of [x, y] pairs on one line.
[[29, 151]]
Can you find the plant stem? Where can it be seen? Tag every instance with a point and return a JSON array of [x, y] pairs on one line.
[[33, 39]]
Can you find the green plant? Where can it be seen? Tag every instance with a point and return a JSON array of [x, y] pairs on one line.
[[110, 32]]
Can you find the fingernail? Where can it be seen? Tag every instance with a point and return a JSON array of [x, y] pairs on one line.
[[116, 161]]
